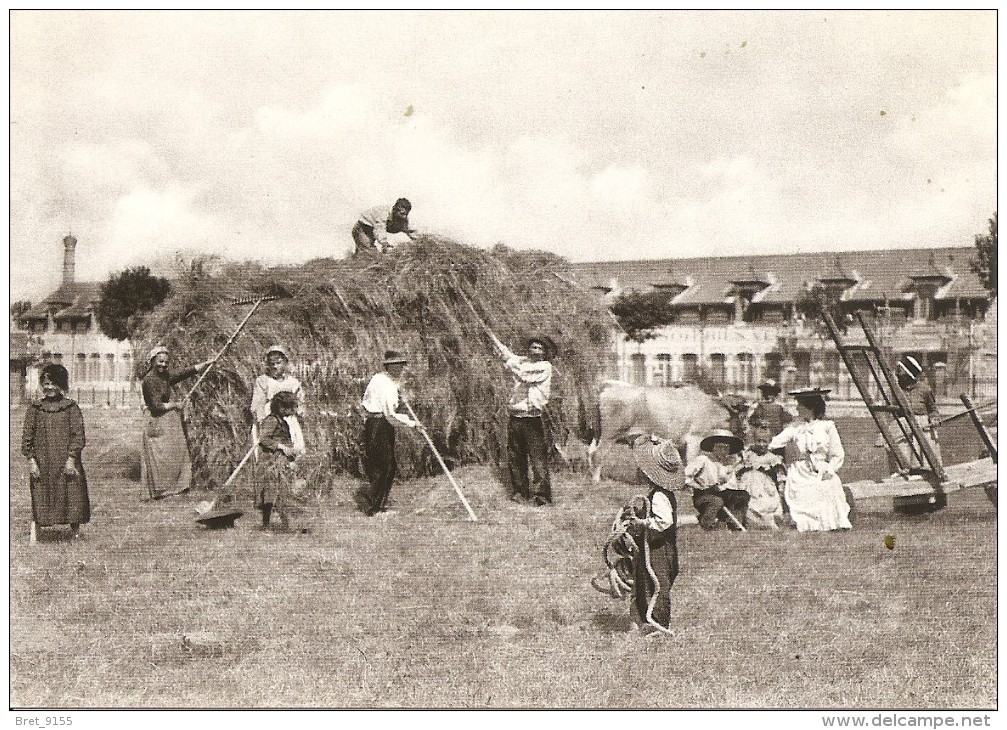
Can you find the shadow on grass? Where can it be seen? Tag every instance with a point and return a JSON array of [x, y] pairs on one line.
[[611, 623]]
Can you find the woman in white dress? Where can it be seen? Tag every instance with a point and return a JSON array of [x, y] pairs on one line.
[[813, 454]]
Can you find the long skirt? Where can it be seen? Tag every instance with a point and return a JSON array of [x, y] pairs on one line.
[[816, 504], [165, 464], [60, 499]]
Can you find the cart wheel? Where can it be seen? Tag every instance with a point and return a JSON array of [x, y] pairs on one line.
[[919, 504]]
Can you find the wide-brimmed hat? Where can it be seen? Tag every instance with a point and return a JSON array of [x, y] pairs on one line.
[[547, 344], [770, 386], [155, 351], [721, 436], [219, 517], [659, 462], [279, 349], [394, 357], [910, 366], [810, 393]]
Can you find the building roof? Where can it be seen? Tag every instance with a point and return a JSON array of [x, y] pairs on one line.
[[80, 296], [876, 275]]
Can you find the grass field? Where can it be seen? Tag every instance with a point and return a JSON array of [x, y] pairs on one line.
[[427, 609]]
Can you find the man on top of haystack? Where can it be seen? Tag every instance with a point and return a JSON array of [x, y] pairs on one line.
[[381, 228]]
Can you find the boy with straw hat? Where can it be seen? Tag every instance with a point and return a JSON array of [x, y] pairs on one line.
[[655, 561], [712, 476]]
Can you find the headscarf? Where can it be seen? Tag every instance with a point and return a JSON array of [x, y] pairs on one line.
[[155, 351]]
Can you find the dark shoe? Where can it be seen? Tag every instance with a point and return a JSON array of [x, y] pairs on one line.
[[518, 498], [542, 501]]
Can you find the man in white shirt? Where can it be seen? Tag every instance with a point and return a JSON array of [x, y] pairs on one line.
[[379, 229], [380, 405], [527, 445]]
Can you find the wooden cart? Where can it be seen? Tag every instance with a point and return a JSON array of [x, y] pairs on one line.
[[923, 482]]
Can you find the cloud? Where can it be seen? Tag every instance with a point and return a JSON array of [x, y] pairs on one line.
[[628, 144]]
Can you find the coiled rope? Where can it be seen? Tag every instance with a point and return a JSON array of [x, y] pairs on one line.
[[619, 552]]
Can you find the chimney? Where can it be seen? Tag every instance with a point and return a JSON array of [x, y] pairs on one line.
[[69, 244]]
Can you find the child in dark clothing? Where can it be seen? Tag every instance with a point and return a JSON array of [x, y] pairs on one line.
[[656, 554], [275, 470]]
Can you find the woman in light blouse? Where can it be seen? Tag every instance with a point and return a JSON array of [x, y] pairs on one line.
[[813, 454]]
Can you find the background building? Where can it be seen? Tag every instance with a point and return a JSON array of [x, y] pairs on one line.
[[62, 328], [738, 320]]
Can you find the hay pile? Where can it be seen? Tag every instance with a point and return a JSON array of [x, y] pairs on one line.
[[344, 314]]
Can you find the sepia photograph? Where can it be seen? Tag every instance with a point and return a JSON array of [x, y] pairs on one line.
[[504, 360]]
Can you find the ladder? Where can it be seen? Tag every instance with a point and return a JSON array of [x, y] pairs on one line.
[[892, 401]]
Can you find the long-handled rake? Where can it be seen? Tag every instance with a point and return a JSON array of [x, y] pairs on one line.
[[447, 472], [256, 303]]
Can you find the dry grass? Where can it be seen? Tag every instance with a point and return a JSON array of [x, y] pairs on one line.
[[338, 317], [426, 609]]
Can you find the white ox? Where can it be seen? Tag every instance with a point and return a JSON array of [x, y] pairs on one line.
[[683, 414]]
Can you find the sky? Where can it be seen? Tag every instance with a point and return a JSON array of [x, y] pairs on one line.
[[594, 135]]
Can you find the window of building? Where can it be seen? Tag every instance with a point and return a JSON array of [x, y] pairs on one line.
[[802, 361], [94, 367], [773, 367], [746, 371], [718, 315], [689, 315], [79, 368], [108, 368], [81, 327], [638, 369], [690, 367], [718, 368], [126, 371], [662, 370]]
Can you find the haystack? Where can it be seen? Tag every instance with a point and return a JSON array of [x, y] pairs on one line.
[[338, 317]]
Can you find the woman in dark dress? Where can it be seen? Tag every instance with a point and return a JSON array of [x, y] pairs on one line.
[[165, 466], [52, 440]]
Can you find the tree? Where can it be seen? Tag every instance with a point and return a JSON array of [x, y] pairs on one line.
[[19, 308], [640, 313], [813, 302], [984, 264], [126, 297]]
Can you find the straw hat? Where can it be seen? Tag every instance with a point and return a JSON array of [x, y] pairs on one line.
[[547, 345], [721, 436], [810, 393], [279, 349], [659, 462], [394, 357]]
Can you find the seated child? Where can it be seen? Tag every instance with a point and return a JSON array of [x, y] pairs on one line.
[[712, 477], [759, 475]]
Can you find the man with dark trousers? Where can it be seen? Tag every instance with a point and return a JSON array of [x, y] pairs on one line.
[[527, 445], [380, 405]]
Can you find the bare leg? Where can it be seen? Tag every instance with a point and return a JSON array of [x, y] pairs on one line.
[[32, 534]]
